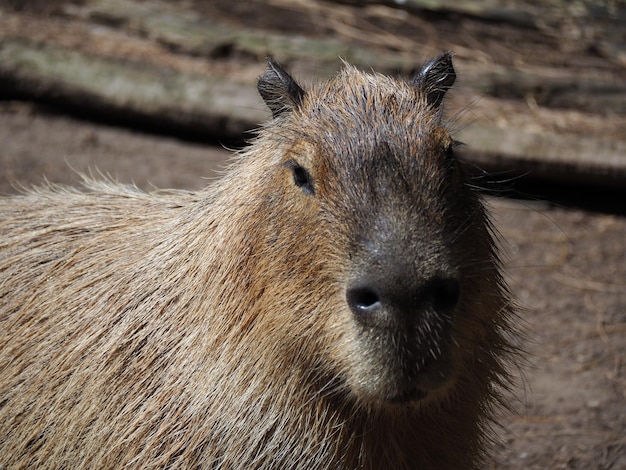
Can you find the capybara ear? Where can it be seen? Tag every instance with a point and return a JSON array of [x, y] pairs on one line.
[[278, 89], [435, 78]]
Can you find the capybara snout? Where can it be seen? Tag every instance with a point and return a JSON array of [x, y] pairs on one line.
[[334, 301], [405, 309]]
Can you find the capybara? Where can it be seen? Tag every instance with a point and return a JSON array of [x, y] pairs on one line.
[[334, 301]]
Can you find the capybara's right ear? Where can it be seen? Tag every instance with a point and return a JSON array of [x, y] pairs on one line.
[[278, 89], [435, 78]]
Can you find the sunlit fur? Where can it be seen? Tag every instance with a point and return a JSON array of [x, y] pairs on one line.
[[210, 329]]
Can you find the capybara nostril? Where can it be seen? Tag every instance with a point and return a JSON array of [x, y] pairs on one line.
[[445, 294], [363, 300]]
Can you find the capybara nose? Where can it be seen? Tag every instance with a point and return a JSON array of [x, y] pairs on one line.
[[373, 302]]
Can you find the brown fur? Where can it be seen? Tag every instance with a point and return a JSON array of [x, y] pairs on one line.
[[211, 329]]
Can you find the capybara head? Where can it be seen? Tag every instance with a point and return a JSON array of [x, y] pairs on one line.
[[368, 176]]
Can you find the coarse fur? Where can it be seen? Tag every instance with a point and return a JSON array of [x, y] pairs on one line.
[[235, 328]]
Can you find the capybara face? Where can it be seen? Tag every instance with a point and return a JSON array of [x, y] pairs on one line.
[[375, 178]]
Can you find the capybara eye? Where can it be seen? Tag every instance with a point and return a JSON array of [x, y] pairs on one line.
[[449, 153], [301, 177], [449, 157]]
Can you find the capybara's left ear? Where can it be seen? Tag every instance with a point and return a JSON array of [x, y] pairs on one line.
[[435, 78], [278, 89]]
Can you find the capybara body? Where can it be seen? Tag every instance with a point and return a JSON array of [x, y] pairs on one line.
[[332, 302]]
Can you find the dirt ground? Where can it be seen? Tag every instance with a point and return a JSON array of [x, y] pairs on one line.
[[567, 268]]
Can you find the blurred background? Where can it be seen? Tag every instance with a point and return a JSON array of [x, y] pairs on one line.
[[151, 92]]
